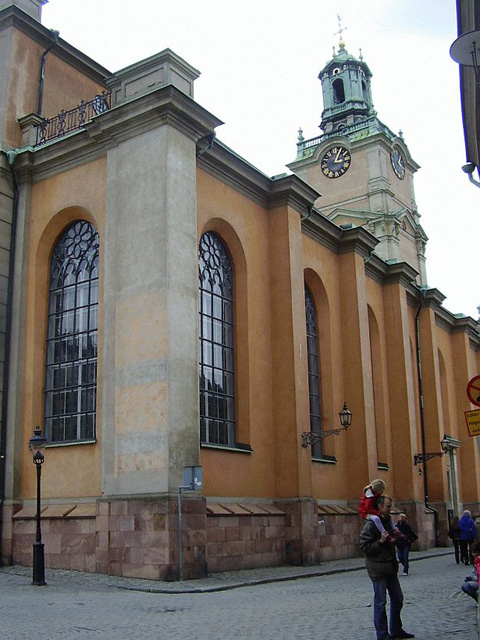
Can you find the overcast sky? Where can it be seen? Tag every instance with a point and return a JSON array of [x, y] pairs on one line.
[[259, 63]]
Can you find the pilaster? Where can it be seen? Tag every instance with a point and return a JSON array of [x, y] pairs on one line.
[[357, 368], [150, 395], [401, 380], [432, 401], [289, 365]]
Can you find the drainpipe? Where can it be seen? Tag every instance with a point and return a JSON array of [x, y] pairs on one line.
[[11, 155], [422, 416], [55, 35]]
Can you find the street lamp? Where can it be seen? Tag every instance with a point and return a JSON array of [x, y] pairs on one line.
[[37, 444], [309, 437]]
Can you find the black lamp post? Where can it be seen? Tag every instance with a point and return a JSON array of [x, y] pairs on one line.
[[309, 437], [36, 444]]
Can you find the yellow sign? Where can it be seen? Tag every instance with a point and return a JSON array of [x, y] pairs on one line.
[[473, 422]]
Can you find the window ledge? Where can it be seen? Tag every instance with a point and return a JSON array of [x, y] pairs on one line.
[[51, 445], [383, 466], [325, 460], [237, 448]]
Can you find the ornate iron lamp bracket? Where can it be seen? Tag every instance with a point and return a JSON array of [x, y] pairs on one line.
[[308, 437], [422, 458]]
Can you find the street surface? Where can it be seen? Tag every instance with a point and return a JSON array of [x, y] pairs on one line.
[[330, 607]]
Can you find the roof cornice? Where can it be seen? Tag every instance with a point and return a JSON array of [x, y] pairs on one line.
[[223, 163], [166, 105], [357, 239], [445, 319], [292, 191], [318, 227], [386, 273]]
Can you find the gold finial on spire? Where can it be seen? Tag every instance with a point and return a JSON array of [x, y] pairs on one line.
[[340, 31]]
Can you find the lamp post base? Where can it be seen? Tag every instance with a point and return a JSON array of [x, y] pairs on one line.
[[38, 564]]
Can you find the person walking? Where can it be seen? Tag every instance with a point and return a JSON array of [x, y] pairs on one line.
[[382, 567], [404, 543], [455, 535], [467, 535]]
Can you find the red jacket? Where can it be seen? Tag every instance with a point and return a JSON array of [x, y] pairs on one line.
[[368, 503]]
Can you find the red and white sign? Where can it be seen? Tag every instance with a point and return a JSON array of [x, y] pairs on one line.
[[473, 391]]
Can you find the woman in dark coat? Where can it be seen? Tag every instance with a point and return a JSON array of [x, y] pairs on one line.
[[455, 536], [467, 535]]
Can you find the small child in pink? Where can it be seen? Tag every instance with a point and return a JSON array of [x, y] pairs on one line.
[[475, 551], [368, 506]]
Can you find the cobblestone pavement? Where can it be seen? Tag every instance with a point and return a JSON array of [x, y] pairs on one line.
[[265, 603]]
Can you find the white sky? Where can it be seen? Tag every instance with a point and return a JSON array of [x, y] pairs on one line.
[[259, 63]]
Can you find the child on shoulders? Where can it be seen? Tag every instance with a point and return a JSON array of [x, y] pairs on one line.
[[368, 507]]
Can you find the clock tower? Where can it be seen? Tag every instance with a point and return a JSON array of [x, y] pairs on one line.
[[363, 170]]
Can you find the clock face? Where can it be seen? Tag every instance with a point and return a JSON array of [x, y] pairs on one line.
[[335, 162], [398, 163]]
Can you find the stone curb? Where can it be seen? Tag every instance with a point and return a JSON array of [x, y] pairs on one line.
[[182, 588], [224, 581]]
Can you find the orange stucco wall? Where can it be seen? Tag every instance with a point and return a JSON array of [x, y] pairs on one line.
[[367, 358], [64, 86], [69, 470], [243, 227]]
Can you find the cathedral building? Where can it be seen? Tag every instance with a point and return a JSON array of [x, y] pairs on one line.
[[168, 307]]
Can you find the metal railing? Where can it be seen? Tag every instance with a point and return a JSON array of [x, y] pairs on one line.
[[67, 121], [372, 124]]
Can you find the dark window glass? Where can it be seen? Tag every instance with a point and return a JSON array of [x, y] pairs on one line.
[[338, 91], [313, 373], [71, 366], [216, 367]]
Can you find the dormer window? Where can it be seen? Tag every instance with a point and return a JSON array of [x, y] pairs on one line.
[[336, 71]]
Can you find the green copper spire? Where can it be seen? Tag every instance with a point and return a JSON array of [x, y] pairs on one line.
[[347, 97]]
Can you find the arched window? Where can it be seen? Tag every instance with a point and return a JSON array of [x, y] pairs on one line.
[[338, 91], [71, 362], [313, 373], [364, 91], [216, 366]]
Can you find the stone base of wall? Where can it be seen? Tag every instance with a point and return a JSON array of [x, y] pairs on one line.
[[339, 528], [139, 537], [244, 536], [131, 538], [8, 511], [301, 531]]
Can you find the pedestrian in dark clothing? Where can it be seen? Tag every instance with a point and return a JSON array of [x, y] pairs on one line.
[[455, 536], [477, 527], [467, 535], [382, 567], [404, 543]]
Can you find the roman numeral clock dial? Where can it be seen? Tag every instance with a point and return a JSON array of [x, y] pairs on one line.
[[336, 162], [398, 163]]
